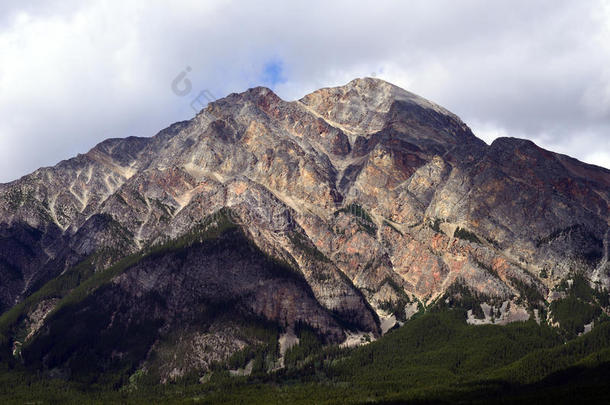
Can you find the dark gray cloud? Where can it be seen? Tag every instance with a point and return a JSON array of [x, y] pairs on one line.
[[74, 73]]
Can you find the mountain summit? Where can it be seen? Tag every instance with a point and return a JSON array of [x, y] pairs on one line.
[[347, 211]]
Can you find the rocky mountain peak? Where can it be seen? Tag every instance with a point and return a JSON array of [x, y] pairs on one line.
[[348, 210], [366, 105]]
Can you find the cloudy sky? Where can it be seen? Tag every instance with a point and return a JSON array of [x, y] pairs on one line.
[[73, 73]]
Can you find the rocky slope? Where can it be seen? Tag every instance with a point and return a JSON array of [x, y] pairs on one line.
[[351, 208]]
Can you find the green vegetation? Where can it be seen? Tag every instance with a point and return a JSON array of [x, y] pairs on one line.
[[435, 357], [264, 352], [357, 211], [82, 336], [487, 268], [591, 349], [263, 348], [388, 224], [581, 289], [309, 345], [303, 243], [77, 283], [573, 313], [459, 295], [210, 228], [557, 233], [17, 197], [492, 242], [436, 225], [594, 245], [120, 198], [139, 197], [397, 306], [365, 222], [61, 286], [56, 288], [466, 235], [581, 306], [528, 292]]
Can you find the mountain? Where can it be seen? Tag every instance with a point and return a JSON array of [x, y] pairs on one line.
[[343, 214]]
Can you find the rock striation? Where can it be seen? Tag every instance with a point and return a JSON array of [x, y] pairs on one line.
[[351, 206]]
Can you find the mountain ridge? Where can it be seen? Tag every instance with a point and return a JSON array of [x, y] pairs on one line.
[[382, 202]]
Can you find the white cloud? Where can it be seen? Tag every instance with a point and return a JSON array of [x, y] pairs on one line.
[[74, 73], [487, 131], [599, 158]]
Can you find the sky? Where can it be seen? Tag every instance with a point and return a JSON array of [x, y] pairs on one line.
[[74, 73]]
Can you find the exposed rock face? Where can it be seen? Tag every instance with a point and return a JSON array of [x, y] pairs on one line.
[[374, 196], [180, 293]]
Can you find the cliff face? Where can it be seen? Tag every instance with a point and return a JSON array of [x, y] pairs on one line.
[[370, 198]]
